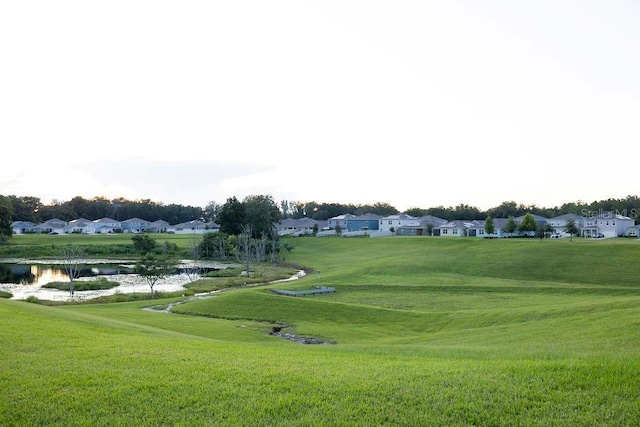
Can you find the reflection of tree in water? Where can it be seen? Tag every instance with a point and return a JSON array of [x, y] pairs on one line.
[[16, 273], [5, 274]]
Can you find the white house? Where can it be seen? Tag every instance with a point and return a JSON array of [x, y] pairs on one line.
[[22, 227], [422, 226], [300, 226], [107, 225], [478, 229], [80, 225], [160, 226], [394, 222], [559, 223], [634, 231], [608, 224], [135, 225], [53, 225], [195, 227], [455, 228]]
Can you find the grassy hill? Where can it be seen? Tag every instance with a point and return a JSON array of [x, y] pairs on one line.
[[423, 331]]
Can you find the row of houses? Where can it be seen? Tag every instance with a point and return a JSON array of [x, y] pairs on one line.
[[601, 224], [111, 226]]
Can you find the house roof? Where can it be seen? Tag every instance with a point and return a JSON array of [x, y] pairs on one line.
[[609, 215], [497, 223], [536, 217], [301, 222], [27, 223], [432, 219], [136, 220], [367, 216], [53, 222], [567, 216], [401, 216], [78, 221], [343, 216], [459, 223], [106, 220]]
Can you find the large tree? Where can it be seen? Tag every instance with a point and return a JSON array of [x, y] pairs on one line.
[[528, 223], [25, 208], [261, 212], [6, 218], [210, 211], [231, 217]]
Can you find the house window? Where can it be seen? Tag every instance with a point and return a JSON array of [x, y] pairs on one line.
[[445, 231], [455, 231], [480, 231], [390, 222]]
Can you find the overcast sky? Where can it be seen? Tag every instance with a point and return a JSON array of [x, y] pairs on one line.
[[416, 104]]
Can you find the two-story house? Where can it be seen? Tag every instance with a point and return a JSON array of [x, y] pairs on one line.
[[135, 225], [559, 223], [393, 222], [107, 225], [606, 224], [80, 225], [340, 220]]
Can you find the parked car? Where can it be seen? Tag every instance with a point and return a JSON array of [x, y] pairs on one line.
[[555, 236], [598, 236]]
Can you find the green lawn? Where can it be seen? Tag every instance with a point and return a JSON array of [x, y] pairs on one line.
[[425, 331], [97, 245]]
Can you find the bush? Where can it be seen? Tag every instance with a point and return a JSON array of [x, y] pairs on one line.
[[4, 294]]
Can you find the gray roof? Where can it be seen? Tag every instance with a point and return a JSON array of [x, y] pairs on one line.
[[402, 216], [536, 217], [567, 216], [459, 223], [367, 216]]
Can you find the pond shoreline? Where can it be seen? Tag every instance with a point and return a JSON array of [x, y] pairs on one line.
[[129, 282]]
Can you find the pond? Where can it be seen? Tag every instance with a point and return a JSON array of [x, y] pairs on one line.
[[24, 278]]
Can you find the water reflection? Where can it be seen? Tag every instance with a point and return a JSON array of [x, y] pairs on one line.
[[42, 275], [25, 278]]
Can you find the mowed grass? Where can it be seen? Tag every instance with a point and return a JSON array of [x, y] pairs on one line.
[[426, 331], [117, 245]]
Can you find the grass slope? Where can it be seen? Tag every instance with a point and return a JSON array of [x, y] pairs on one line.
[[428, 332]]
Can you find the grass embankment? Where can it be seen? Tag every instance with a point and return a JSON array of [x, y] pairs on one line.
[[234, 277], [83, 285], [428, 332]]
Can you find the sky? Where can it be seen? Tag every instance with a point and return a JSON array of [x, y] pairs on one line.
[[412, 103]]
